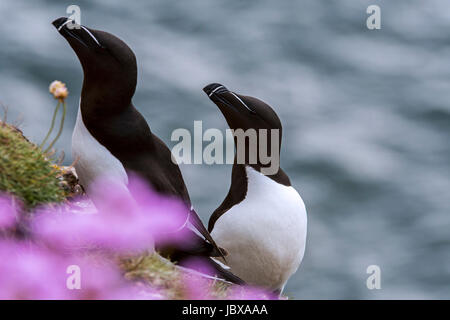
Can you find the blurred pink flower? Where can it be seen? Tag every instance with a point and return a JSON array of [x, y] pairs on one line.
[[65, 239], [251, 293], [197, 280], [126, 219], [31, 273], [58, 90], [100, 280], [7, 212], [197, 285], [27, 272]]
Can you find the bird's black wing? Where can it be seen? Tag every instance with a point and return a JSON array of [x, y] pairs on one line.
[[143, 153], [198, 224]]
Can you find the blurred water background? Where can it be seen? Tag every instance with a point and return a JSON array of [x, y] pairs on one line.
[[366, 115]]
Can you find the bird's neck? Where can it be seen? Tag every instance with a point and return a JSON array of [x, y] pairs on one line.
[[100, 99], [241, 169]]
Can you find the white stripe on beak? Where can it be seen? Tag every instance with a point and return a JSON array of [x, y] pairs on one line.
[[212, 92], [85, 29], [61, 26]]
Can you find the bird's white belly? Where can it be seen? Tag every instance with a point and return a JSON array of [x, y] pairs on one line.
[[265, 234], [93, 160]]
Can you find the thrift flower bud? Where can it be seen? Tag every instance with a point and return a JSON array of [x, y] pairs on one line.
[[54, 85], [59, 90]]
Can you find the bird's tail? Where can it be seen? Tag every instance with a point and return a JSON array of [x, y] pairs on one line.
[[216, 270]]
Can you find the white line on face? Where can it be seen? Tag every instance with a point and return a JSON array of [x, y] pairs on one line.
[[91, 35], [212, 92], [241, 101]]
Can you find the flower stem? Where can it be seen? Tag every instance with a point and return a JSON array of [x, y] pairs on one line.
[[52, 125], [61, 126]]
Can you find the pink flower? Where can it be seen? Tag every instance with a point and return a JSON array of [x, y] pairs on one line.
[[99, 279], [58, 90], [27, 272], [197, 284], [33, 273], [7, 212], [69, 252], [251, 293], [126, 219]]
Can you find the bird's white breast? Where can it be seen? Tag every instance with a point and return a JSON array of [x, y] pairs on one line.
[[92, 159], [265, 234]]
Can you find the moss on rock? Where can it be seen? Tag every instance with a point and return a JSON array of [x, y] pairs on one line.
[[25, 171], [154, 271]]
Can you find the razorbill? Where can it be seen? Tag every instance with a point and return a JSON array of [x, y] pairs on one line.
[[111, 138], [262, 221]]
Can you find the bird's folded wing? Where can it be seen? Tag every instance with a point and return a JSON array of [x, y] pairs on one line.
[[198, 225]]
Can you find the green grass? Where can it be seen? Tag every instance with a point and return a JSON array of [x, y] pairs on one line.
[[24, 170], [151, 269]]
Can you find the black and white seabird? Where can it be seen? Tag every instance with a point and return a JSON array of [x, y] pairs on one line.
[[262, 221], [111, 138]]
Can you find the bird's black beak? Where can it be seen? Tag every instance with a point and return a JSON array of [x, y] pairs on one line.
[[224, 98], [215, 88], [60, 22], [75, 32]]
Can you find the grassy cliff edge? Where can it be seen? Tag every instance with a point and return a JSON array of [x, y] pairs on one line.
[[27, 174], [25, 171]]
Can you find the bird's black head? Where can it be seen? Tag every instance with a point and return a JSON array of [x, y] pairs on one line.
[[244, 112], [106, 60]]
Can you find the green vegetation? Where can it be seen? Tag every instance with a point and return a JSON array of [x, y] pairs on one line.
[[167, 278], [25, 171]]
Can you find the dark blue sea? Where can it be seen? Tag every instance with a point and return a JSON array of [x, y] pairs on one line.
[[366, 115]]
